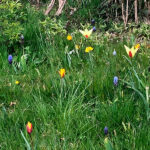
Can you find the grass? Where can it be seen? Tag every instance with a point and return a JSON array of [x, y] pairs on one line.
[[71, 113]]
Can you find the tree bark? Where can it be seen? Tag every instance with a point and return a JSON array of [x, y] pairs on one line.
[[135, 11], [148, 10], [127, 6], [61, 6], [116, 9], [59, 11], [50, 6], [124, 13], [38, 2]]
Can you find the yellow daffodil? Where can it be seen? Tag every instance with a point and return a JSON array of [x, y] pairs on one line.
[[88, 49], [132, 51], [86, 33], [62, 72], [69, 37], [77, 47], [17, 82]]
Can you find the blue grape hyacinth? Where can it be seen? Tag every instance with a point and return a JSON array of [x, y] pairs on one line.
[[106, 130], [10, 59], [93, 22], [115, 81], [94, 29], [114, 53]]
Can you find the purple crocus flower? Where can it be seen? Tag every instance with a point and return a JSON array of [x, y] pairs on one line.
[[114, 53], [94, 29], [115, 81], [10, 58], [106, 130]]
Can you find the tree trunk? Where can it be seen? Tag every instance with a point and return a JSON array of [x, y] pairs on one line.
[[127, 5], [124, 14], [135, 11], [122, 6], [59, 11], [50, 6], [116, 9], [61, 6], [148, 9], [38, 3]]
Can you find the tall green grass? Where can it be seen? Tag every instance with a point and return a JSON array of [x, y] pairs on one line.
[[71, 113]]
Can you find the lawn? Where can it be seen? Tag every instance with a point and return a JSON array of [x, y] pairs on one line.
[[101, 86]]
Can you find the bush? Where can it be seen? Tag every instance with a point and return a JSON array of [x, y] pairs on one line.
[[10, 18]]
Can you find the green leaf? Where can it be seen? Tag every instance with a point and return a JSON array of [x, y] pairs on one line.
[[27, 143], [108, 145]]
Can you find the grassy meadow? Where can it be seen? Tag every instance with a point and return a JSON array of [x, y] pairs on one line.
[[71, 112]]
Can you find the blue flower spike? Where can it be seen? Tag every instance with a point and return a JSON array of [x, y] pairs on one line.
[[93, 22], [106, 130], [114, 53], [115, 81], [94, 29], [10, 59]]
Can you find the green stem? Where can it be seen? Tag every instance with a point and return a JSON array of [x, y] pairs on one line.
[[31, 142]]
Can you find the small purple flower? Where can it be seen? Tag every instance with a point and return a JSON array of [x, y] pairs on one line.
[[94, 29], [10, 58], [114, 53], [115, 80], [106, 130], [93, 22]]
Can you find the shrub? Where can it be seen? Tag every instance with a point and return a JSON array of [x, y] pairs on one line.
[[10, 18]]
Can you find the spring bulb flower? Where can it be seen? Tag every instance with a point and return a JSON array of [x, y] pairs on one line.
[[10, 59], [17, 82], [69, 37], [29, 127], [106, 130], [94, 29], [86, 33], [62, 72], [132, 51], [92, 22], [88, 49], [114, 53], [115, 81]]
